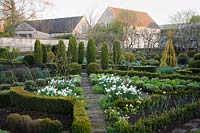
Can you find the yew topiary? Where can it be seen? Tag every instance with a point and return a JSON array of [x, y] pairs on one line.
[[44, 53], [116, 52], [72, 50], [91, 51], [104, 56], [62, 57], [81, 52], [38, 56], [182, 58]]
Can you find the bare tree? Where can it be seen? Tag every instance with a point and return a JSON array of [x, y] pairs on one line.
[[13, 11], [182, 17], [133, 38], [151, 39], [186, 30], [128, 20], [92, 18]]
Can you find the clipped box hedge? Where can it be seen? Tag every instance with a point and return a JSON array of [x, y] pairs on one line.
[[144, 68], [81, 122], [4, 98], [58, 105], [165, 120], [30, 101], [150, 75], [189, 71], [25, 124]]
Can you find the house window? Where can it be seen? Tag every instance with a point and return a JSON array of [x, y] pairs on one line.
[[84, 29]]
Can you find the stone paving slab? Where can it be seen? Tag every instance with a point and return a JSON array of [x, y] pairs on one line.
[[96, 115], [191, 127]]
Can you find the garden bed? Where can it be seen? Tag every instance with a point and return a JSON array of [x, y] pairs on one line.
[[66, 120], [129, 110]]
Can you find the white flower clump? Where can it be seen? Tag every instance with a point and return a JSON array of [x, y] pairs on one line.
[[58, 88], [116, 86]]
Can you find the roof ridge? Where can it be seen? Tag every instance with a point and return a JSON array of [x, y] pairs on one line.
[[54, 18], [119, 8]]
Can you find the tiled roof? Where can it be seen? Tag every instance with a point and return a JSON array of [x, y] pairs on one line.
[[59, 25], [143, 19]]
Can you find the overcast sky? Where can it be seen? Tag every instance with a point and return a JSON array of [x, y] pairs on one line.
[[159, 10]]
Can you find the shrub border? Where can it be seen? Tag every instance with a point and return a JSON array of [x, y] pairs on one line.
[[21, 98], [150, 75]]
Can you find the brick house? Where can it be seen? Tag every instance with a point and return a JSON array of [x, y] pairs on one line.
[[48, 28]]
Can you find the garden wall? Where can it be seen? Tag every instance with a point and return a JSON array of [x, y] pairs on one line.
[[27, 44]]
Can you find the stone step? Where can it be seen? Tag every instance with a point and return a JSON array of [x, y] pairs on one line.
[[179, 130], [94, 111], [99, 131], [92, 96], [97, 115], [97, 120], [99, 126]]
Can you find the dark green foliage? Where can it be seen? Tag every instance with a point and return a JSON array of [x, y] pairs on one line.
[[30, 101], [24, 124], [5, 87], [4, 98], [4, 53], [194, 64], [29, 59], [150, 75], [166, 70], [116, 52], [129, 56], [40, 65], [96, 89], [157, 57], [155, 123], [182, 59], [92, 68], [62, 57], [81, 123], [191, 53], [139, 56], [104, 56], [52, 68], [18, 84], [189, 71], [91, 51], [81, 52], [67, 36], [75, 69], [54, 49], [44, 52], [30, 85], [41, 82], [27, 74], [19, 58], [197, 56], [2, 67], [151, 62], [7, 77], [40, 74], [72, 51], [144, 68], [38, 55]]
